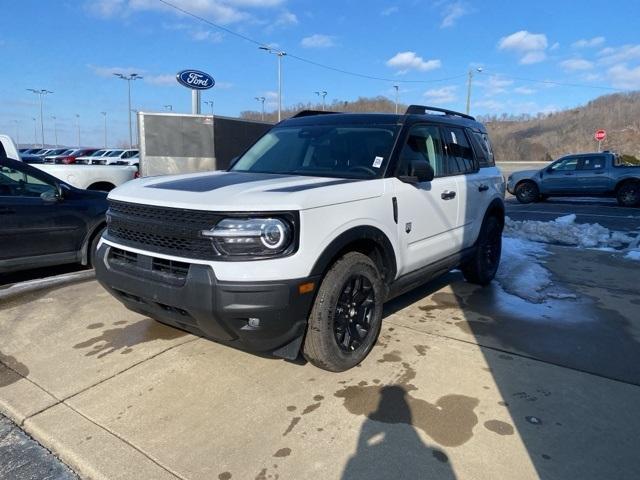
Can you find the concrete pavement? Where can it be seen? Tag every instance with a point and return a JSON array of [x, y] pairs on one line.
[[459, 386]]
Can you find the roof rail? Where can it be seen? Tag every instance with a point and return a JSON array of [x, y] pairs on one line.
[[422, 109], [309, 113]]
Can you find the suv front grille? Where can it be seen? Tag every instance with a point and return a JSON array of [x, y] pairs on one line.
[[172, 231]]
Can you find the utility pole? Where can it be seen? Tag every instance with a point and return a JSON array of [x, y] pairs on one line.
[[169, 107], [397, 89], [55, 128], [129, 78], [41, 93], [78, 126], [469, 81], [35, 130], [210, 103], [104, 114], [323, 94], [261, 100], [280, 54]]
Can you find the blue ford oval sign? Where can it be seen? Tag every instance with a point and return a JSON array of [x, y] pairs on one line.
[[195, 79]]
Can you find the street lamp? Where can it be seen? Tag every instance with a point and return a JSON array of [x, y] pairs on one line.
[[397, 89], [17, 122], [469, 80], [280, 54], [261, 100], [78, 127], [41, 93], [136, 111], [169, 107], [210, 103], [322, 93], [129, 78], [104, 114], [55, 128], [35, 130]]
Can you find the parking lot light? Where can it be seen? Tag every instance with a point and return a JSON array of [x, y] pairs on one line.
[[261, 100], [280, 54], [104, 114], [323, 94], [129, 78], [41, 93], [55, 128]]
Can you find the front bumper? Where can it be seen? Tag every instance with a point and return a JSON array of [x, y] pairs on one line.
[[255, 316]]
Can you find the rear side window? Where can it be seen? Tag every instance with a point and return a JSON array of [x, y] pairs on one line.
[[483, 149], [460, 158], [591, 163]]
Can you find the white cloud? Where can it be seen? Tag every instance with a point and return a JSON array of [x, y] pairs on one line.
[[612, 55], [166, 80], [588, 42], [453, 12], [207, 36], [286, 18], [524, 91], [530, 46], [405, 61], [317, 40], [111, 71], [441, 95], [495, 85], [554, 47], [389, 11], [576, 64], [622, 76]]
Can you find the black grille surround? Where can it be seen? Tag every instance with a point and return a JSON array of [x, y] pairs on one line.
[[177, 231]]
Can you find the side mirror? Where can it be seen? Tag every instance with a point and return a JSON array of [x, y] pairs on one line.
[[51, 196], [419, 171]]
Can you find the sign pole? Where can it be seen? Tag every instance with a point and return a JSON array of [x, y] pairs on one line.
[[195, 102]]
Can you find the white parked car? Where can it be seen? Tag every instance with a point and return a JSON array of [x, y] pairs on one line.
[[86, 159], [115, 157], [298, 245]]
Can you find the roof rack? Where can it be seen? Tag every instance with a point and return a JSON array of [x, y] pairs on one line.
[[422, 109], [309, 113]]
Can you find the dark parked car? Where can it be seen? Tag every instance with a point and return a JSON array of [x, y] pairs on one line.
[[44, 221]]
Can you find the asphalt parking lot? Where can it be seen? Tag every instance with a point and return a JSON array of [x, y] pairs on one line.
[[462, 384]]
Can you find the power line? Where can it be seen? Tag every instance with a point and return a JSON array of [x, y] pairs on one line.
[[562, 84], [302, 59]]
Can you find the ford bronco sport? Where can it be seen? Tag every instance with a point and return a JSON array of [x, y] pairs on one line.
[[300, 242]]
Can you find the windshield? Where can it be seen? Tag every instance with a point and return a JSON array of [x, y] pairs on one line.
[[99, 153], [342, 151], [115, 153]]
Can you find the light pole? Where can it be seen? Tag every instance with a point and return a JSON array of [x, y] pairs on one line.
[[210, 103], [469, 80], [104, 114], [41, 93], [129, 78], [55, 129], [261, 100], [35, 130], [17, 132], [397, 89], [280, 54], [169, 107], [136, 111], [322, 93], [78, 127]]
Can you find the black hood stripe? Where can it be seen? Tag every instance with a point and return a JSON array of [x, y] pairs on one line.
[[309, 186], [213, 182]]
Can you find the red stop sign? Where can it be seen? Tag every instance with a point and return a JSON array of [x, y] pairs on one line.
[[600, 135]]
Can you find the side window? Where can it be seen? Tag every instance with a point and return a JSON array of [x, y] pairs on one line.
[[424, 143], [14, 183], [566, 165], [484, 151], [460, 159], [591, 163]]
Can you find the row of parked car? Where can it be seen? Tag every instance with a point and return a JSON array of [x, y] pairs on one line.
[[80, 156]]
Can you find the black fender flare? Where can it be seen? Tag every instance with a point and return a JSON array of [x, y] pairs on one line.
[[352, 236], [86, 243]]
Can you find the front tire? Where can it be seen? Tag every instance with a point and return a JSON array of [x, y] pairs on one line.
[[482, 268], [93, 247], [628, 195], [347, 314], [527, 192]]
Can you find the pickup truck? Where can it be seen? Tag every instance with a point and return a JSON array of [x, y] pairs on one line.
[[603, 174], [92, 177]]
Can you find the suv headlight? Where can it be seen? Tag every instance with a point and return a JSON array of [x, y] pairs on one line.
[[259, 237]]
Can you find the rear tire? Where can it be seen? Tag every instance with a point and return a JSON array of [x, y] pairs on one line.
[[347, 314], [93, 247], [527, 192], [482, 268], [628, 194]]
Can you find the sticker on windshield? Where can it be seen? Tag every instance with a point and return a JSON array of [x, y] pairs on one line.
[[377, 162]]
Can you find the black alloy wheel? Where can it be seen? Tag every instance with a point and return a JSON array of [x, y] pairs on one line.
[[353, 313]]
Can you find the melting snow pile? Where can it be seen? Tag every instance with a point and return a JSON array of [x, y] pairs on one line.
[[564, 231], [520, 272], [633, 255]]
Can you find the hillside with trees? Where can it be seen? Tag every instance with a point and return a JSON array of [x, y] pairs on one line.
[[536, 137]]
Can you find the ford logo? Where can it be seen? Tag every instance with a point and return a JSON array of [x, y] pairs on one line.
[[195, 79]]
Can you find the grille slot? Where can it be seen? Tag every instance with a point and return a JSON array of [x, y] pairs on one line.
[[170, 267], [171, 231]]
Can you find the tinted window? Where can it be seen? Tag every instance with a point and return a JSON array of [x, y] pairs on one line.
[[460, 157], [567, 164], [484, 151], [14, 183], [423, 144], [591, 163]]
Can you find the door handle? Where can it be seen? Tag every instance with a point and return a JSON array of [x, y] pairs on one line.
[[483, 188], [448, 195]]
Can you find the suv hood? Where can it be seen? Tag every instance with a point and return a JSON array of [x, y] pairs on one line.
[[233, 191], [522, 174]]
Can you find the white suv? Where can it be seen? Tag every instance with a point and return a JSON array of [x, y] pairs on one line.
[[298, 245]]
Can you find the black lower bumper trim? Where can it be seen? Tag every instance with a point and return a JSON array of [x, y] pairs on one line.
[[254, 316]]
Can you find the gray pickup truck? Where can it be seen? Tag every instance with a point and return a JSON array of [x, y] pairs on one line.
[[603, 174]]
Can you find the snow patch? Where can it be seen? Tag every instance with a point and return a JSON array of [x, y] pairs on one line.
[[633, 255], [520, 272]]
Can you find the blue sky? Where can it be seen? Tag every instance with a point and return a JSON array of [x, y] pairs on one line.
[[73, 48]]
